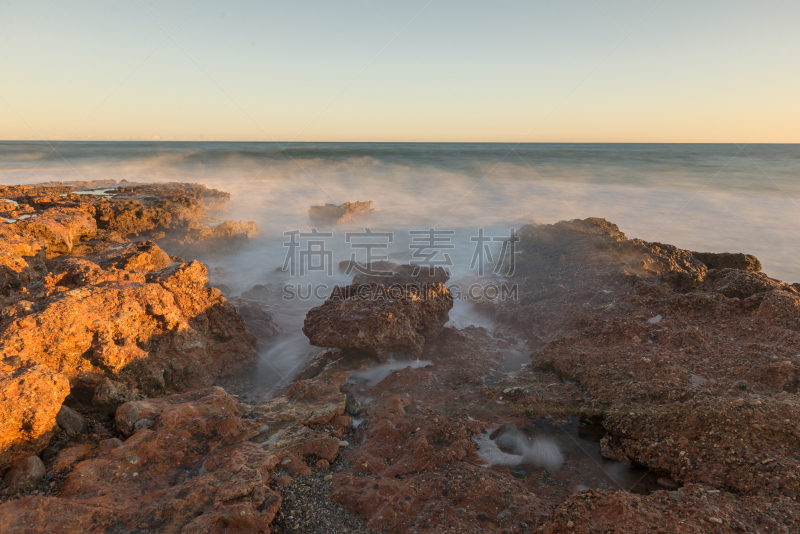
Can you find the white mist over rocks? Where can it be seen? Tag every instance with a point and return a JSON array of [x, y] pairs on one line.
[[699, 197], [540, 451], [712, 198]]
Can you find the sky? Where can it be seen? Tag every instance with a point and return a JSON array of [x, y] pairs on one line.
[[723, 71]]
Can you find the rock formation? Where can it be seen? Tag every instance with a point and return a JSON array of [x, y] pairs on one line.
[[379, 315], [344, 213], [83, 305], [680, 366]]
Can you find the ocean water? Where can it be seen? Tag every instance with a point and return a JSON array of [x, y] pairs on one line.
[[695, 196]]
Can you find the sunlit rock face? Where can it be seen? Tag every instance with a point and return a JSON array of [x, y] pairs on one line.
[[157, 331], [30, 398], [81, 303]]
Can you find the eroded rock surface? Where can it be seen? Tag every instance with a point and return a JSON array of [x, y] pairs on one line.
[[80, 303], [380, 319]]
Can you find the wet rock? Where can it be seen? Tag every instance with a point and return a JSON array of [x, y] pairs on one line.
[[30, 397], [343, 213], [24, 475], [353, 406], [213, 240], [378, 320], [69, 419], [668, 483]]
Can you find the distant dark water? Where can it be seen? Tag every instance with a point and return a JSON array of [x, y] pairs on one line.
[[697, 196]]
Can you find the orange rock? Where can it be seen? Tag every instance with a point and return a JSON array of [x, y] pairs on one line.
[[30, 398]]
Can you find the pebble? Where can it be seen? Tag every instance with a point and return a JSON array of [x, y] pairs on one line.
[[343, 443], [482, 516], [666, 482]]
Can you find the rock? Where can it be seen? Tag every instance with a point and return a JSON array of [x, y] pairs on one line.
[[157, 333], [333, 214], [256, 318], [378, 320], [727, 260], [110, 395], [666, 482], [586, 293], [197, 472], [402, 275], [30, 397], [322, 464], [24, 475], [353, 406], [69, 419], [352, 267], [482, 516], [143, 256], [601, 511], [213, 240]]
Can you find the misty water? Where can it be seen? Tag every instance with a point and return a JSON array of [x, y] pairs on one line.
[[713, 198]]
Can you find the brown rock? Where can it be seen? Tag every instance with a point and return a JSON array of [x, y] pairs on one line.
[[194, 472], [333, 214], [24, 475], [727, 260], [379, 320], [69, 419], [110, 395]]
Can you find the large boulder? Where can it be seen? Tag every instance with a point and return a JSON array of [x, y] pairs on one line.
[[378, 319]]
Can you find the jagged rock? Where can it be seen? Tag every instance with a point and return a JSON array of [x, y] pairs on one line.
[[24, 475], [727, 260], [141, 256], [379, 320], [193, 471], [333, 214], [69, 419], [661, 344], [30, 397], [165, 332]]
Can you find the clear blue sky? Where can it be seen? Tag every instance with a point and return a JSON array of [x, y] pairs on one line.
[[672, 71]]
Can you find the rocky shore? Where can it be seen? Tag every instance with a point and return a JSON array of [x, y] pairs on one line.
[[629, 386]]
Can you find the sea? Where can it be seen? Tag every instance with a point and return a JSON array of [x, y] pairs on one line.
[[447, 204]]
